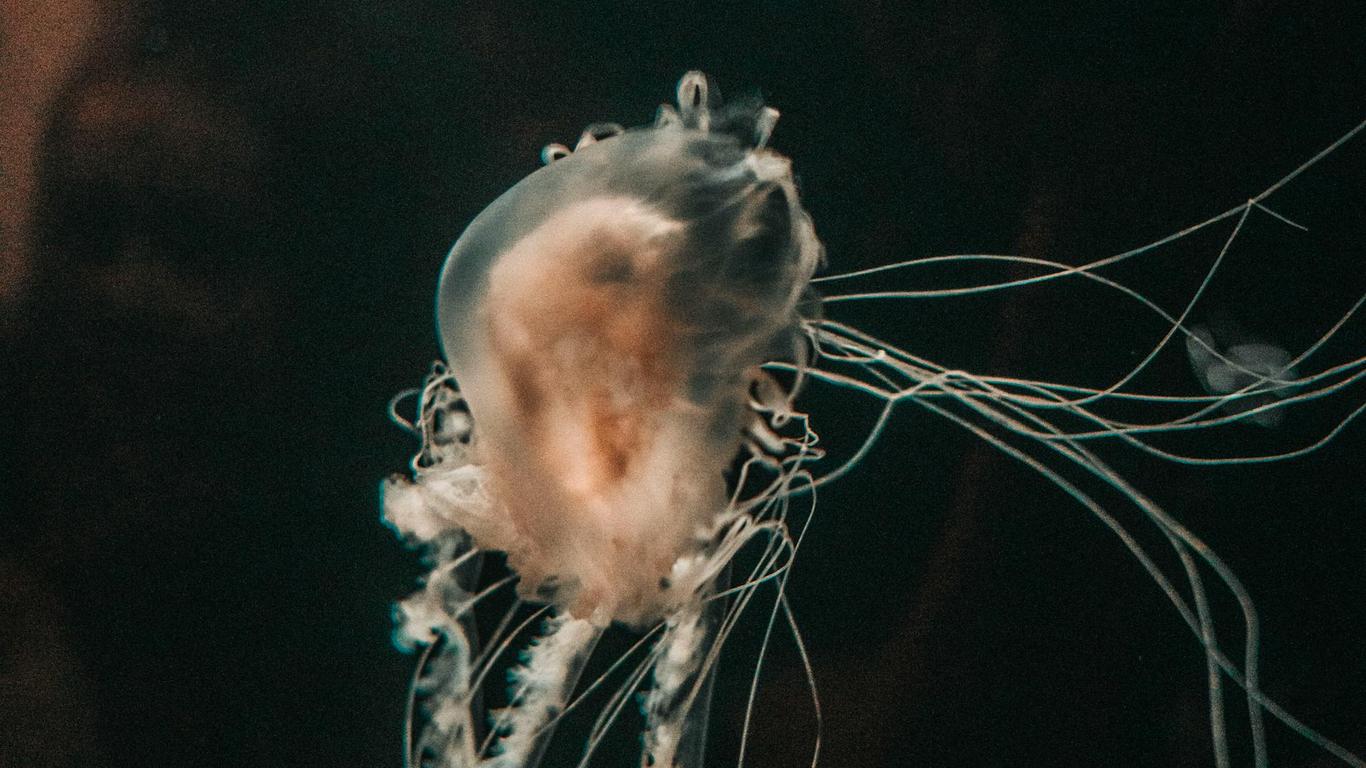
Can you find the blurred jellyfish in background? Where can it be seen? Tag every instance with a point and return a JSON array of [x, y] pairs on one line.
[[1260, 374]]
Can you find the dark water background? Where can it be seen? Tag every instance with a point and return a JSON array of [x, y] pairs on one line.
[[239, 215]]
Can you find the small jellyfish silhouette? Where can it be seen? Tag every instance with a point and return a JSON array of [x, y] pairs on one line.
[[1253, 376]]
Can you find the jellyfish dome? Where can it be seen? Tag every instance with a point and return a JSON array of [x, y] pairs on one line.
[[604, 318]]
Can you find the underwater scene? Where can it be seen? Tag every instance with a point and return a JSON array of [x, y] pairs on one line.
[[706, 384]]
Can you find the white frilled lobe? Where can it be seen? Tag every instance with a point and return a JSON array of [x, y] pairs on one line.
[[443, 500], [540, 688], [679, 657], [437, 504], [680, 654]]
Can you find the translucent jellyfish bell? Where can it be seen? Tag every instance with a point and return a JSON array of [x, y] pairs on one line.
[[604, 318]]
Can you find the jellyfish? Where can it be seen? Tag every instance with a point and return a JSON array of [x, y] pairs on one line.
[[627, 333], [1254, 368], [608, 320]]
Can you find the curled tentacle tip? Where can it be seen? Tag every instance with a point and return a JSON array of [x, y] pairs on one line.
[[552, 152]]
